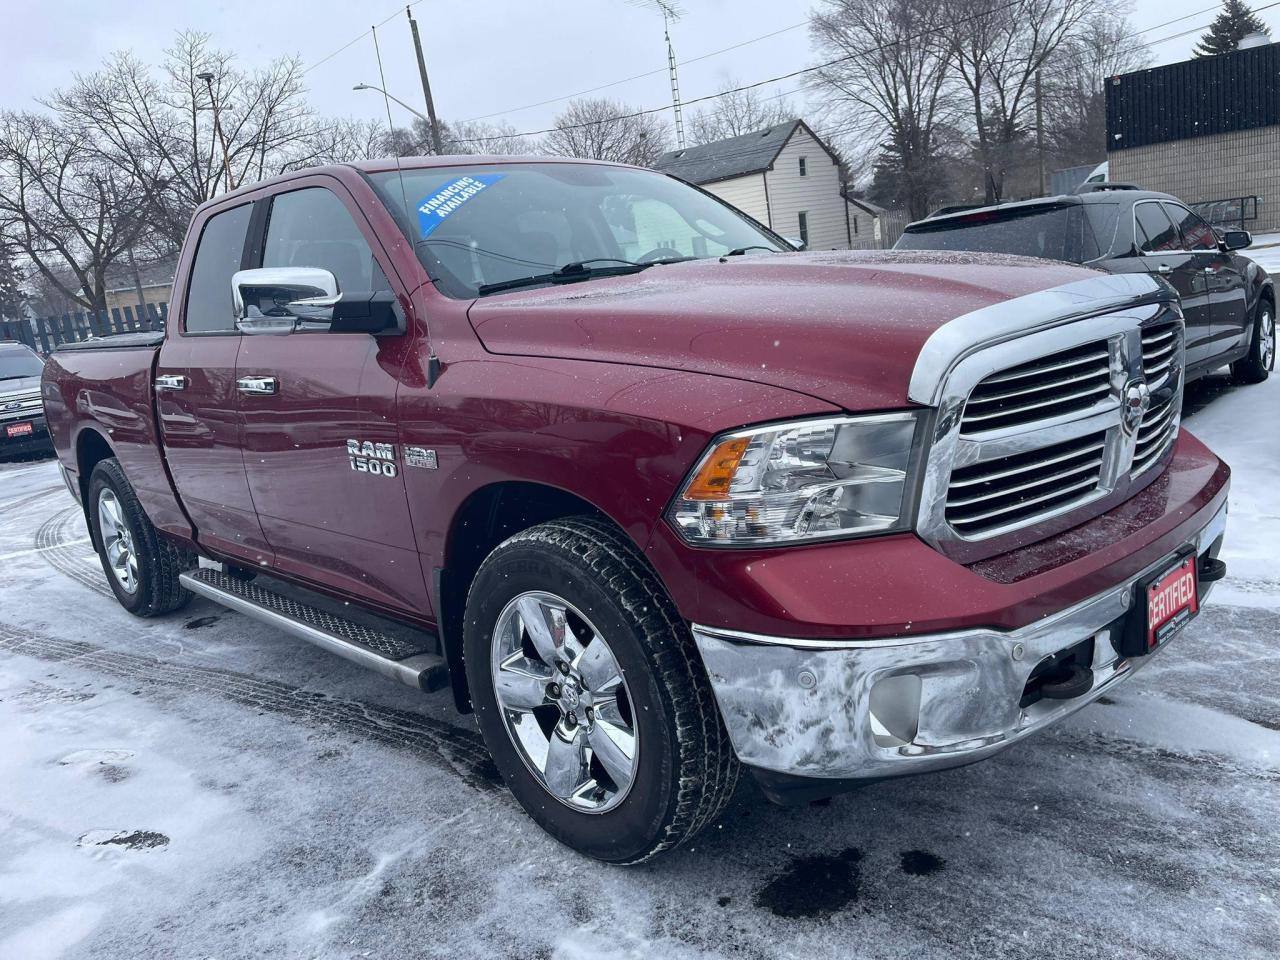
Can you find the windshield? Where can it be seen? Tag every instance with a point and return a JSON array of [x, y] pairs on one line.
[[1055, 233], [478, 227], [19, 363]]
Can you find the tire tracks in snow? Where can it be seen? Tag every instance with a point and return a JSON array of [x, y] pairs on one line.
[[460, 750], [52, 542]]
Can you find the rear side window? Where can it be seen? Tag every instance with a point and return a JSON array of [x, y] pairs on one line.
[[210, 308], [1196, 234], [1155, 232], [312, 228]]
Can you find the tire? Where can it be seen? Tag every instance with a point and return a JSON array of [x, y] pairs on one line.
[[146, 582], [682, 766], [1258, 363]]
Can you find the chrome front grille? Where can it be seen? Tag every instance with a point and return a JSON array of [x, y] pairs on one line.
[[1156, 432], [1160, 344], [21, 407], [1041, 430], [1065, 382], [1014, 489]]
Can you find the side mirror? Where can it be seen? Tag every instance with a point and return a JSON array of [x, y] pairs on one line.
[[277, 300], [1236, 239], [796, 243], [280, 300]]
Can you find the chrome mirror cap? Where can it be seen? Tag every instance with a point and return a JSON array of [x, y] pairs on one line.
[[275, 300]]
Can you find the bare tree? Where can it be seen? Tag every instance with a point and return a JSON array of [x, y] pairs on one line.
[[461, 138], [996, 49], [889, 86], [601, 129], [161, 130], [735, 112], [64, 208], [1074, 91]]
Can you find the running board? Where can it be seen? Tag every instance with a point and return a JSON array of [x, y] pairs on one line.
[[402, 659]]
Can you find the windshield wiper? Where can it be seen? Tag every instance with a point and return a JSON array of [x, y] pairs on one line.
[[755, 246], [571, 273]]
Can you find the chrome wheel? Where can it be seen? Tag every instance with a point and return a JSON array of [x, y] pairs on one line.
[[1267, 340], [564, 701], [117, 541]]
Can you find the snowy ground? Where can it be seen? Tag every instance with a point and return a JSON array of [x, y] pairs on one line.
[[204, 786]]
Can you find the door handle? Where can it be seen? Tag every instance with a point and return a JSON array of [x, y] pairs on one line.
[[257, 385], [171, 381], [1165, 268]]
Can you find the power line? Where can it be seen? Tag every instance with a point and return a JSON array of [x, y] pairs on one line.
[[351, 43], [638, 76], [830, 63]]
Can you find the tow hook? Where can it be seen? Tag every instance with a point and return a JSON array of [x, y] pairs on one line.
[[1211, 569]]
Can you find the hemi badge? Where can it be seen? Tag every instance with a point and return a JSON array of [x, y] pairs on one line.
[[420, 457]]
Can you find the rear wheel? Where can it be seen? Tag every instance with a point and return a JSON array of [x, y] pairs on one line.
[[1258, 363], [591, 695], [141, 566]]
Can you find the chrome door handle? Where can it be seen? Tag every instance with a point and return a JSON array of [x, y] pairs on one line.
[[171, 381], [257, 385], [1165, 268]]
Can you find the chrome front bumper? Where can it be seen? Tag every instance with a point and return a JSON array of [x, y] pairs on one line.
[[869, 709]]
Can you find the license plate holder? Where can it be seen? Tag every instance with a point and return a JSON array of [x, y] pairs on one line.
[[1165, 602], [24, 429]]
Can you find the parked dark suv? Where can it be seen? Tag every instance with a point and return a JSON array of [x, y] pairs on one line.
[[1228, 300]]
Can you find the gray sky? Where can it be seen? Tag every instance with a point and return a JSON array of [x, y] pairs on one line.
[[485, 56]]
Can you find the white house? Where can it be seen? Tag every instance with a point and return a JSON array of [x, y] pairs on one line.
[[783, 176]]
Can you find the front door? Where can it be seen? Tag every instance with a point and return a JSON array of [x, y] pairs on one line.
[[1225, 282], [196, 399], [1161, 246], [321, 440]]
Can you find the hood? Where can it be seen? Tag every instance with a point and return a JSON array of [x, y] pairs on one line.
[[19, 387], [843, 327]]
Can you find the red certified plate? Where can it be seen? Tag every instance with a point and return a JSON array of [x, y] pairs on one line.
[[1172, 600], [18, 429]]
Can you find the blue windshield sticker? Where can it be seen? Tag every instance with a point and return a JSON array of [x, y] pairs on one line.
[[436, 207]]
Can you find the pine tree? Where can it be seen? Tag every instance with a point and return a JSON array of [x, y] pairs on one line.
[[1233, 24], [12, 299]]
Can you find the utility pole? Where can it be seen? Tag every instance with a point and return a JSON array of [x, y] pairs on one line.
[[1040, 132], [436, 143]]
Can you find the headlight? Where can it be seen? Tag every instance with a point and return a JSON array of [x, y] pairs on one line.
[[811, 480]]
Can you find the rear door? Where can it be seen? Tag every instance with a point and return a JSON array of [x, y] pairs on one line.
[[1160, 245], [196, 398], [321, 446], [1225, 282]]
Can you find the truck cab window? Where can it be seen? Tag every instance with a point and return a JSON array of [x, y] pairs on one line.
[[312, 228], [209, 303]]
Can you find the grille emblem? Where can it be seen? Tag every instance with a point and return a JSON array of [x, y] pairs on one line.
[[1137, 401], [14, 405]]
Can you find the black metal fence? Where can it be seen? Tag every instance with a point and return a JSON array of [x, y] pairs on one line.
[[45, 333], [1232, 212]]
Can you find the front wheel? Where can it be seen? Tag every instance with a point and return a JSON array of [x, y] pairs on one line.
[[141, 566], [591, 695], [1258, 363]]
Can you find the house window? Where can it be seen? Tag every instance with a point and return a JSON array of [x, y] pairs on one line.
[[803, 168], [804, 227]]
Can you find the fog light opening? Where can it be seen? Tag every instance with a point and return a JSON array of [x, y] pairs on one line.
[[895, 710]]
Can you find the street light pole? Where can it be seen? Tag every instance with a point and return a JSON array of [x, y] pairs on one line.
[[217, 126], [434, 124], [369, 86]]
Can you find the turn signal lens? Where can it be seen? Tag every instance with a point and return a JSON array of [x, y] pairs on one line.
[[809, 480], [713, 478]]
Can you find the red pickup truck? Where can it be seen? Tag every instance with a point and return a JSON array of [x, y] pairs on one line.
[[654, 494]]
